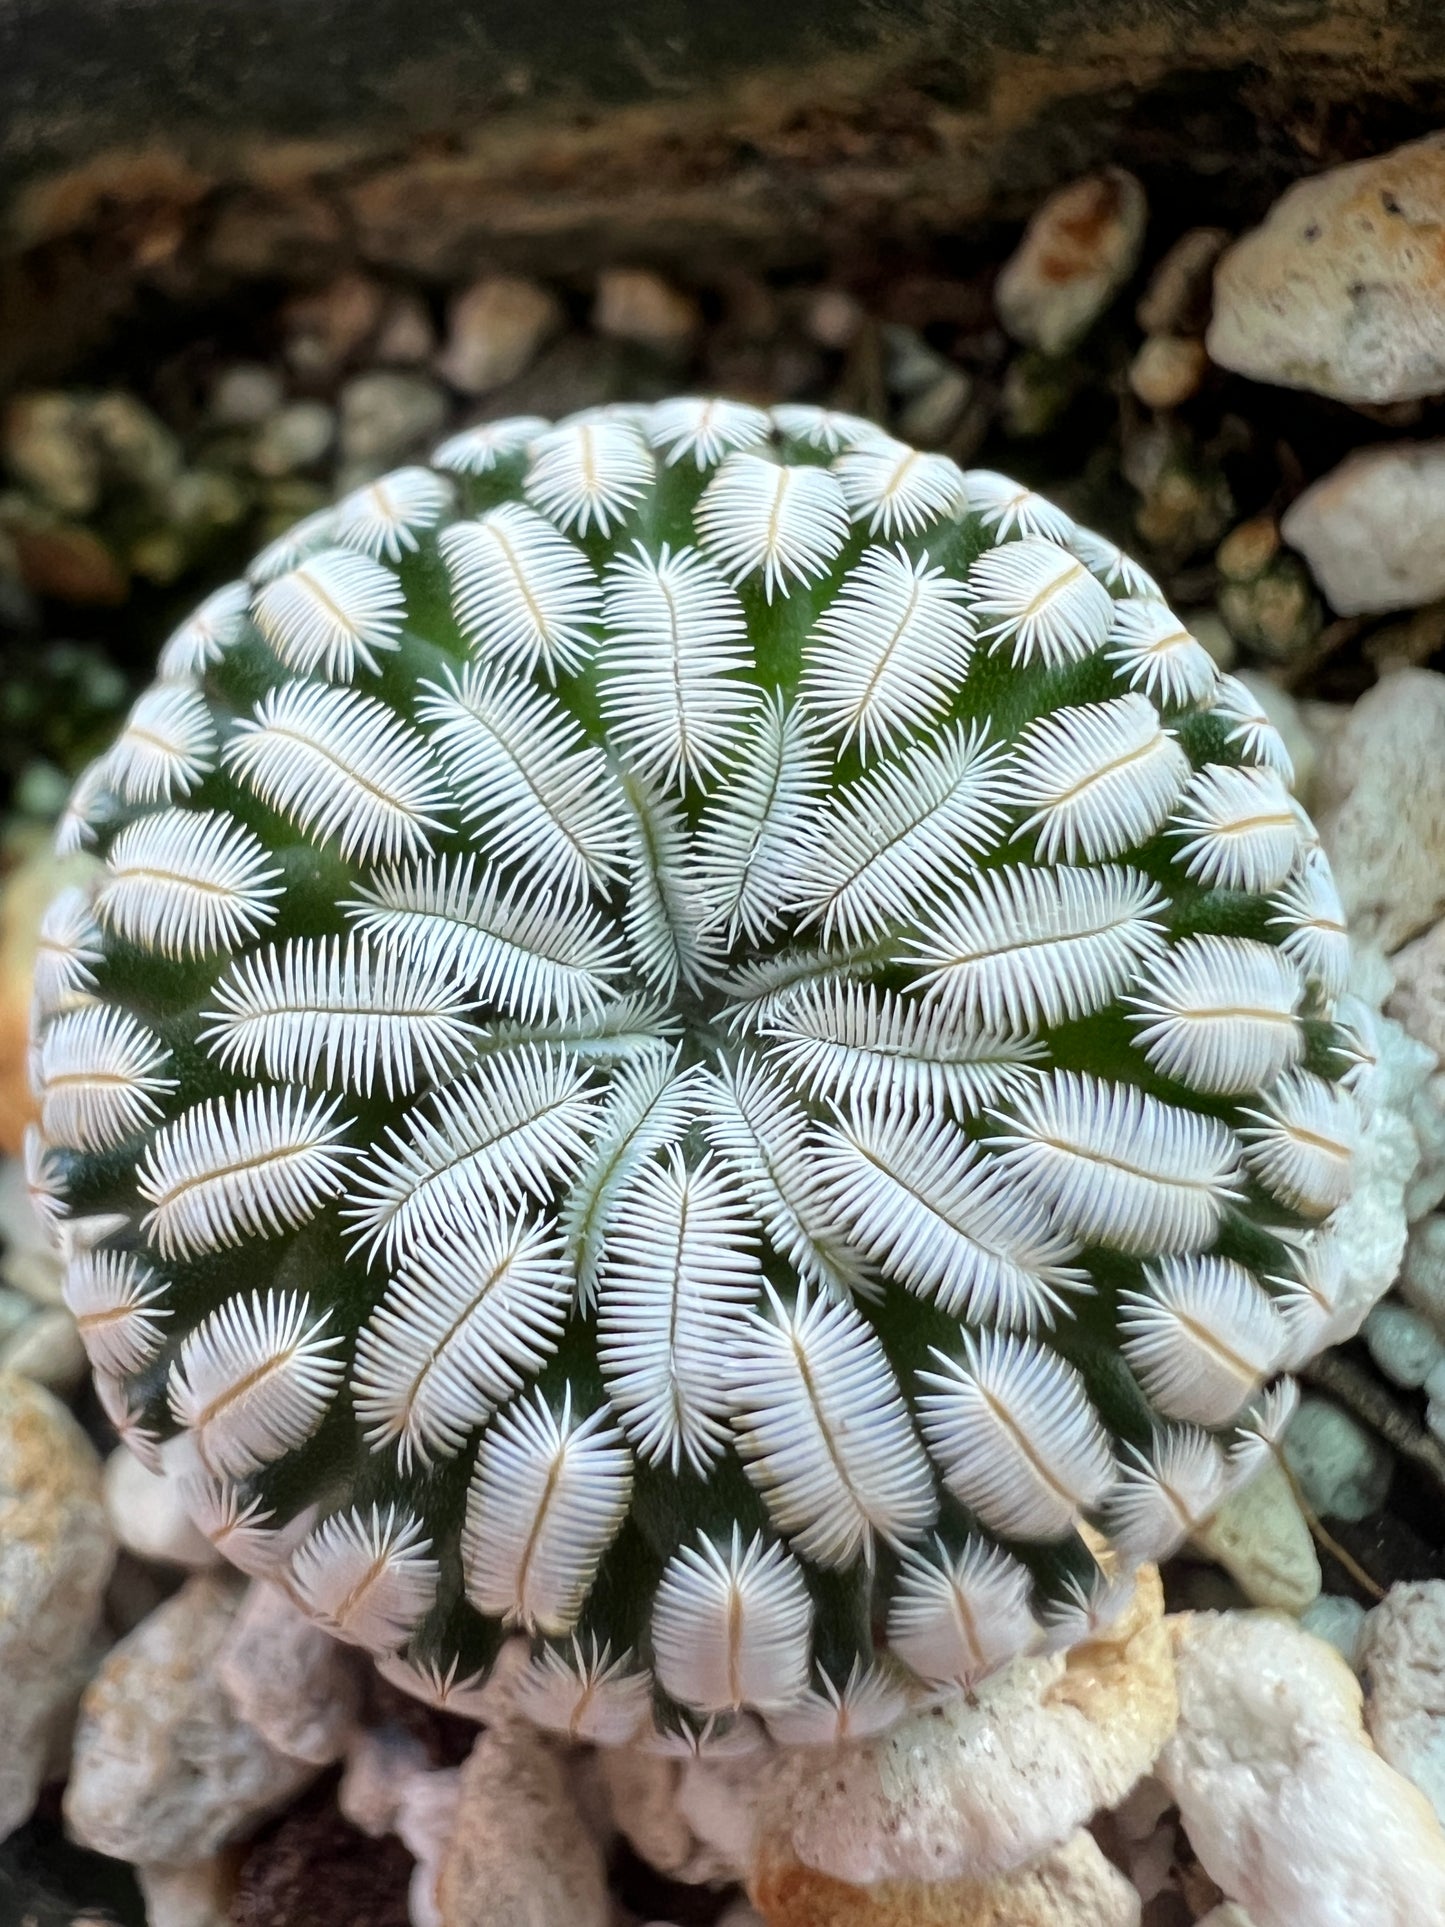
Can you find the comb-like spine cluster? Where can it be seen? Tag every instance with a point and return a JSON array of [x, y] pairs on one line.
[[702, 1039]]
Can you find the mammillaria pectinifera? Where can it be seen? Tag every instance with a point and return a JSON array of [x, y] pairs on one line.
[[703, 1039]]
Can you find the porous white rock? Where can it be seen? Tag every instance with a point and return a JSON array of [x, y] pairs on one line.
[[495, 329], [147, 1516], [164, 1768], [1402, 1663], [1261, 1538], [1072, 1885], [286, 1678], [1285, 1801], [1418, 999], [1370, 529], [1380, 808], [1339, 290], [1338, 1621], [1078, 250], [985, 1783], [1343, 1470], [1405, 1346], [519, 1851], [56, 1553]]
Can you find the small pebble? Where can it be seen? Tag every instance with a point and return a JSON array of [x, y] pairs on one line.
[[1338, 1620], [1373, 529], [495, 330], [295, 437], [1260, 1537], [326, 328], [931, 417], [1265, 593], [41, 790], [1213, 634], [387, 415], [1168, 370], [636, 305], [147, 1517], [243, 395], [135, 444], [1405, 1346], [47, 1350], [1076, 253], [1343, 1470], [833, 318], [1177, 298], [49, 448], [1422, 1277], [406, 337]]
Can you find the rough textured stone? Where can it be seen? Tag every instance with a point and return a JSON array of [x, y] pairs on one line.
[[289, 1680], [984, 1785], [642, 1795], [56, 1553], [165, 1769], [1073, 1885], [198, 1896], [1260, 1537], [1340, 289], [1381, 808], [1343, 1470], [1418, 999], [1167, 370], [387, 415], [1405, 1346], [1176, 300], [519, 1853], [1286, 1803], [1080, 247], [1401, 1660], [1371, 529], [495, 330], [148, 1518], [634, 304]]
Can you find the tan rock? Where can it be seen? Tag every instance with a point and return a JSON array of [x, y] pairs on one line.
[[495, 329], [1168, 370], [633, 304], [165, 1770], [980, 1786], [1401, 1660], [1071, 1886], [519, 1852], [1176, 299], [56, 1553], [289, 1680], [1342, 289]]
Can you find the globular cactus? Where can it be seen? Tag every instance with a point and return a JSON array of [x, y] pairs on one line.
[[701, 1038]]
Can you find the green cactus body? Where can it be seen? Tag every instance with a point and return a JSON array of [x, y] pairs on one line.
[[705, 1040]]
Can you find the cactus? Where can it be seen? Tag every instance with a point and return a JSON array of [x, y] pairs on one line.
[[704, 1040]]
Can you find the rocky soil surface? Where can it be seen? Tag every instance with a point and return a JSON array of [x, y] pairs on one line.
[[1260, 1742]]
